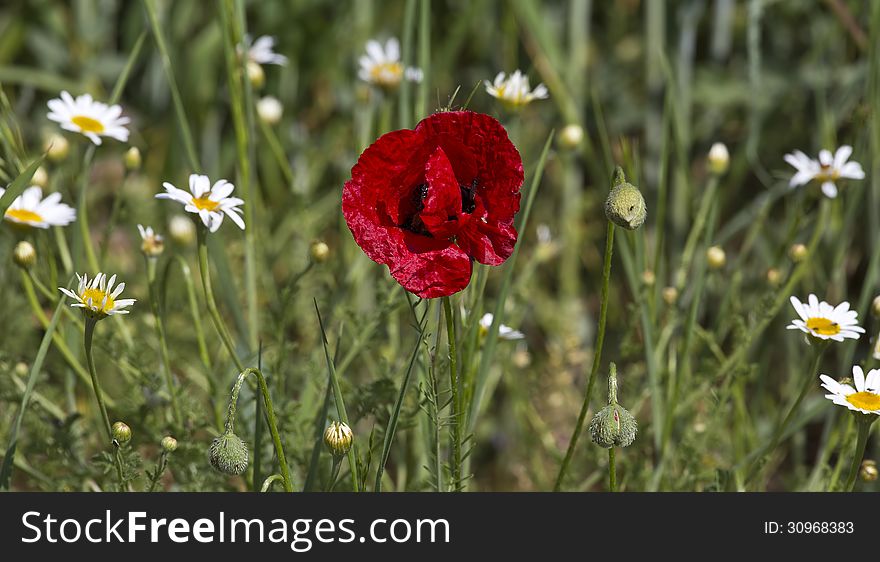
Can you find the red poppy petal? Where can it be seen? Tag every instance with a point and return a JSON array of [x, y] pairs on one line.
[[442, 203], [433, 268], [488, 244]]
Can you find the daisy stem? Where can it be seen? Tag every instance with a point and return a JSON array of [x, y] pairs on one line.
[[780, 427], [597, 358], [334, 472], [864, 423], [88, 332], [163, 344], [456, 405], [209, 297], [81, 212], [612, 471], [87, 344]]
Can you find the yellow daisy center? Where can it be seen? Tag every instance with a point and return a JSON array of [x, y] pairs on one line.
[[387, 73], [23, 215], [826, 173], [203, 203], [823, 326], [88, 125], [97, 296], [864, 400]]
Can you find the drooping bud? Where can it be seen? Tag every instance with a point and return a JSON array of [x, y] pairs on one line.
[[121, 433], [24, 255], [613, 425], [168, 444], [229, 454], [719, 159], [571, 136], [625, 205], [338, 438], [716, 257]]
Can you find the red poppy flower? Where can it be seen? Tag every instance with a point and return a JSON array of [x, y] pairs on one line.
[[428, 201]]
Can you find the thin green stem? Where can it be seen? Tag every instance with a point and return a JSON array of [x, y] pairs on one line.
[[861, 443], [612, 471], [88, 333], [454, 386], [597, 358]]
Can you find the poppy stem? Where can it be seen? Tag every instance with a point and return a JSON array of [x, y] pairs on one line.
[[597, 358], [612, 471], [456, 405]]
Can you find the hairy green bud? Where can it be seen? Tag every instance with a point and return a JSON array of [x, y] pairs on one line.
[[229, 454], [613, 425], [625, 205], [168, 444], [121, 432]]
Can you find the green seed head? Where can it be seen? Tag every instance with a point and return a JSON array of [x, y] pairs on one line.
[[625, 205], [229, 454]]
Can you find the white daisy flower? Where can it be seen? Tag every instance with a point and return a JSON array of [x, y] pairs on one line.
[[504, 332], [864, 398], [826, 322], [826, 170], [514, 90], [382, 66], [152, 244], [89, 117], [30, 209], [262, 51], [97, 297], [207, 201]]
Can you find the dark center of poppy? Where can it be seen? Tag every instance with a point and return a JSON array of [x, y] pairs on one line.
[[414, 223]]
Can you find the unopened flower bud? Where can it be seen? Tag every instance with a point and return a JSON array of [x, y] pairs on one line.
[[719, 159], [625, 205], [338, 438], [716, 257], [774, 276], [121, 433], [169, 444], [132, 159], [40, 178], [797, 253], [24, 255], [571, 136], [319, 251], [649, 278], [613, 425], [22, 369], [57, 147], [255, 74], [229, 454], [182, 230], [670, 295], [875, 306], [270, 110], [868, 471]]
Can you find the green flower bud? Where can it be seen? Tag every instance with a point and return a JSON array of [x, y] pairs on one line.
[[319, 251], [132, 159], [338, 438], [169, 444], [229, 454], [24, 255], [121, 433], [613, 425], [625, 205], [868, 470]]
